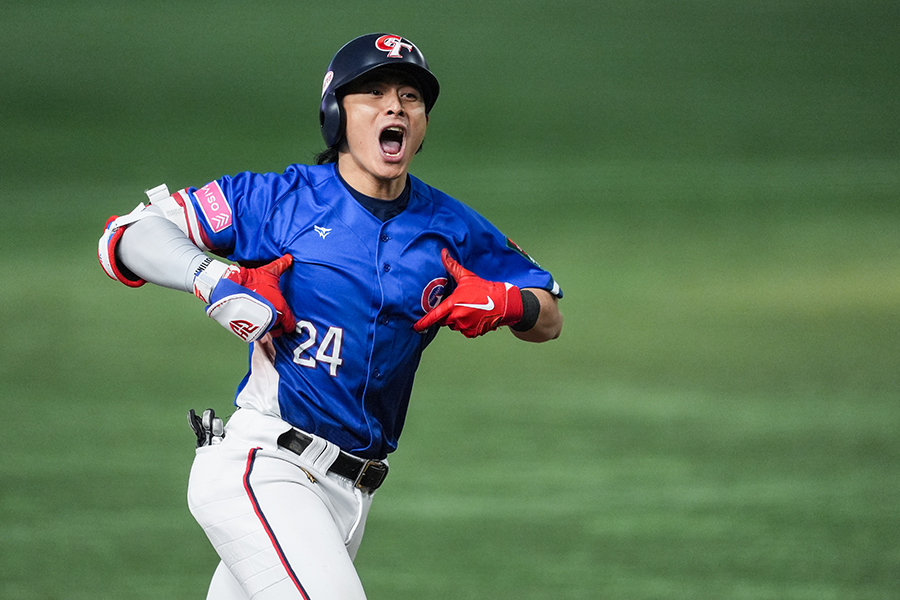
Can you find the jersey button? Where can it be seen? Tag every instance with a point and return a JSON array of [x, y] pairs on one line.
[[377, 373], [387, 267], [385, 237], [385, 319]]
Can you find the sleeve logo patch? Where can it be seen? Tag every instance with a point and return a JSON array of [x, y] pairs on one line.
[[214, 207], [514, 246]]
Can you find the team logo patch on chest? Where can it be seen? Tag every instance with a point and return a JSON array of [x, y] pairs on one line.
[[433, 293], [214, 207]]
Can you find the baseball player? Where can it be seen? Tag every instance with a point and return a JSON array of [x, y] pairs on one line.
[[338, 275]]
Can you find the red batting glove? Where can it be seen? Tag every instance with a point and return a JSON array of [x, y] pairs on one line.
[[476, 306], [264, 281]]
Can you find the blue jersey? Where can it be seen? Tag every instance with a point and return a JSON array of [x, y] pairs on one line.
[[357, 285]]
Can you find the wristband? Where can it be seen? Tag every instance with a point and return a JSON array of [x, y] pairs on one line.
[[207, 275], [531, 310]]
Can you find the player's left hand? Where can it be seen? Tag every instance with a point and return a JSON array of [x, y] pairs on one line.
[[476, 306]]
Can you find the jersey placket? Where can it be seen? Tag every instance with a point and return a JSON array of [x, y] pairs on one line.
[[391, 294]]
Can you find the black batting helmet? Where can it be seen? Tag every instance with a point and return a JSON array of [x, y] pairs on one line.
[[359, 56]]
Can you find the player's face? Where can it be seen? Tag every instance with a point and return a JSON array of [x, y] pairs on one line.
[[385, 126]]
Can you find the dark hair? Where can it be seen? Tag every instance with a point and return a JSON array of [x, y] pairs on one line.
[[328, 155]]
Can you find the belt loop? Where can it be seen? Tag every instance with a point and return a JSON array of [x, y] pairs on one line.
[[327, 453]]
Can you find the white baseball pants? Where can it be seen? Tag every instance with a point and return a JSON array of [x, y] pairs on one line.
[[283, 526]]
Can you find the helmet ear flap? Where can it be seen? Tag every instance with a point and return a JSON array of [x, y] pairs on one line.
[[331, 119]]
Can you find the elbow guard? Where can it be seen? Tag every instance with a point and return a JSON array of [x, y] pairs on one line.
[[115, 227]]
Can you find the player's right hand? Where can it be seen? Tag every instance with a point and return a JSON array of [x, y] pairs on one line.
[[249, 302]]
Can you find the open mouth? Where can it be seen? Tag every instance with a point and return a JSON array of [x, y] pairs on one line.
[[391, 140]]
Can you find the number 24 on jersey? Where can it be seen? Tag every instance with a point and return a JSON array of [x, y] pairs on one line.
[[328, 351]]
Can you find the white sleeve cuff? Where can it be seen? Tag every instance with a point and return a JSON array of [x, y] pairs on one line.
[[207, 276]]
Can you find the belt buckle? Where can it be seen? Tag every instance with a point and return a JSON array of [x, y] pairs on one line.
[[381, 470]]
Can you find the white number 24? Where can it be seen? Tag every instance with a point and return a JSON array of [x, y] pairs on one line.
[[328, 352]]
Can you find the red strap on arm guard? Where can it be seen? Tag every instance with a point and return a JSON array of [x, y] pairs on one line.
[[106, 252]]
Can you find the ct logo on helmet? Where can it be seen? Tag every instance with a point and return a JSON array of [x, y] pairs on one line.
[[392, 44], [433, 293]]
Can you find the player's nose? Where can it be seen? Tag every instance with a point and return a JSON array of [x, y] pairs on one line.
[[394, 105]]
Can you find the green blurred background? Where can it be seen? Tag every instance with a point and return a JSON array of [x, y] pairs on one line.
[[716, 186]]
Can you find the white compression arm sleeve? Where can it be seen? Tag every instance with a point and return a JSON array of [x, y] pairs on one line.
[[155, 249]]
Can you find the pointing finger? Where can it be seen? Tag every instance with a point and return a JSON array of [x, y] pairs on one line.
[[455, 269], [279, 266], [435, 316]]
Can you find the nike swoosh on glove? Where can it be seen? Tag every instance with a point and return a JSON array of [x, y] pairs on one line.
[[249, 303], [476, 306]]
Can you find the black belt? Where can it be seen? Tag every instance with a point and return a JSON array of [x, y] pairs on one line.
[[367, 475]]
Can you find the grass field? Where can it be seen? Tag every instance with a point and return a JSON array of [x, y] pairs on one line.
[[715, 185]]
